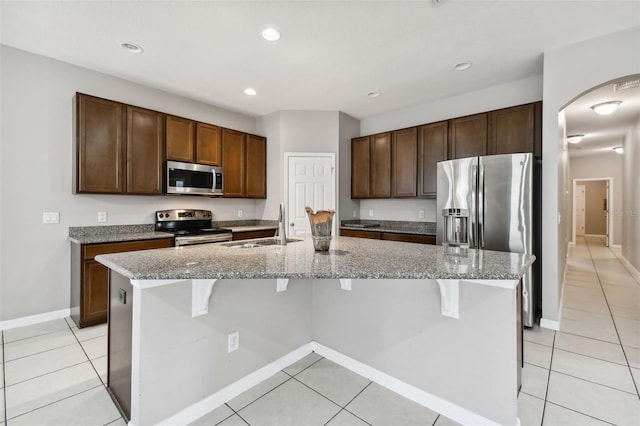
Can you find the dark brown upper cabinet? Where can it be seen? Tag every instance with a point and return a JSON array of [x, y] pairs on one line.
[[468, 136], [100, 145], [145, 151], [432, 148], [404, 167], [512, 130], [234, 162], [256, 167], [360, 167], [380, 165], [208, 144], [181, 137]]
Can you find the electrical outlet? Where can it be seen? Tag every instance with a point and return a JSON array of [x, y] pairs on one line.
[[355, 214], [370, 213], [240, 213], [102, 217], [233, 341], [50, 217], [421, 214]]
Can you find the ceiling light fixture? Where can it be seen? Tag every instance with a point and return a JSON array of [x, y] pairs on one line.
[[270, 34], [373, 94], [250, 91], [618, 149], [462, 66], [131, 47], [574, 138], [606, 108]]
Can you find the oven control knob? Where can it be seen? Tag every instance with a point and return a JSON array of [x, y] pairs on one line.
[[160, 215]]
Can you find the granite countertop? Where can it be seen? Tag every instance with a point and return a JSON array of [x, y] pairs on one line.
[[115, 234], [347, 258], [395, 226], [247, 228]]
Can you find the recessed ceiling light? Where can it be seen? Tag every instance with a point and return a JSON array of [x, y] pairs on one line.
[[131, 47], [618, 149], [373, 94], [270, 34], [606, 108], [462, 66], [574, 138], [250, 91]]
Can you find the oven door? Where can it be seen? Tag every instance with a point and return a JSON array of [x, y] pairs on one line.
[[189, 240], [191, 178]]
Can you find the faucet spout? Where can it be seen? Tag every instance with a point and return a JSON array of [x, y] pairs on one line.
[[282, 230]]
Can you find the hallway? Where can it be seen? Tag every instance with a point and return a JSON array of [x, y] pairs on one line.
[[588, 373]]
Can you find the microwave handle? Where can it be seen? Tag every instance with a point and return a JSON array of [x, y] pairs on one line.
[[213, 188]]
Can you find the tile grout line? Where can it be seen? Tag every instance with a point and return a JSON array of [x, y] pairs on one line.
[[88, 358], [41, 352], [595, 383], [4, 381], [350, 401], [546, 391], [633, 380], [583, 414], [593, 357]]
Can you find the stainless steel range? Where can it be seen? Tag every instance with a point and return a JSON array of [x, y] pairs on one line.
[[191, 227]]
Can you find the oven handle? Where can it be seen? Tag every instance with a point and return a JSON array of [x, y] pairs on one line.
[[202, 239]]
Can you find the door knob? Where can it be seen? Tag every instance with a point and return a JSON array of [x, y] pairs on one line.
[[292, 224]]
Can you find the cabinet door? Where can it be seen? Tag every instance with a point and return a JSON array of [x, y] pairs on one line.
[[95, 293], [512, 130], [180, 133], [208, 144], [145, 147], [233, 162], [256, 165], [381, 165], [99, 145], [372, 235], [404, 144], [360, 168], [468, 136], [432, 148]]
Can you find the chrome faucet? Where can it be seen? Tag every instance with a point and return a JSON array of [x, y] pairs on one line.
[[282, 231]]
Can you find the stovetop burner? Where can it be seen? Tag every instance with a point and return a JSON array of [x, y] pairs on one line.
[[187, 222]]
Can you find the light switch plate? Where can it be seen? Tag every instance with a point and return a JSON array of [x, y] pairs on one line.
[[240, 213], [102, 217], [370, 213], [51, 217], [421, 214]]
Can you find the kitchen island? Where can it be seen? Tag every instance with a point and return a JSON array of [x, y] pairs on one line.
[[438, 327]]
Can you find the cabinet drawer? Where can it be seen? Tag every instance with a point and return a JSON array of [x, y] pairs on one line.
[[373, 235], [92, 250], [248, 235], [409, 238]]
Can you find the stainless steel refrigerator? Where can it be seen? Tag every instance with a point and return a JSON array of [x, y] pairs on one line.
[[486, 202]]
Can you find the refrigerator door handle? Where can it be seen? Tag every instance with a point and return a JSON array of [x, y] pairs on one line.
[[472, 208], [481, 206]]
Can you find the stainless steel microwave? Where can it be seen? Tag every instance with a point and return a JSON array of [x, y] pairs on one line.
[[195, 179]]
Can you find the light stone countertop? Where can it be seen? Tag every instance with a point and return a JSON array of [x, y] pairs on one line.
[[115, 234], [347, 258], [248, 228]]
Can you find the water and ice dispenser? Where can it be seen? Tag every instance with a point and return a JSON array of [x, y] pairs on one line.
[[456, 223]]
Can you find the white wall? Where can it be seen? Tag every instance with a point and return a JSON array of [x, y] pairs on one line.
[[631, 203], [349, 128], [602, 166], [570, 71], [36, 163]]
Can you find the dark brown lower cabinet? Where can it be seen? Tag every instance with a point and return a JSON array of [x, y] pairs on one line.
[[90, 279], [247, 235], [389, 236]]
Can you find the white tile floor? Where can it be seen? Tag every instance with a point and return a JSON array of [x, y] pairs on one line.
[[586, 374]]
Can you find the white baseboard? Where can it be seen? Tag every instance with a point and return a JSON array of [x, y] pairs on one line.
[[632, 270], [550, 324], [199, 409], [615, 246], [34, 319], [437, 404], [213, 401], [595, 235]]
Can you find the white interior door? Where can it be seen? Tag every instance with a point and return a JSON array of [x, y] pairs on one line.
[[580, 214], [311, 183]]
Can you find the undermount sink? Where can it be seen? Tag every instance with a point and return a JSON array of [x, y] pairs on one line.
[[258, 243]]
